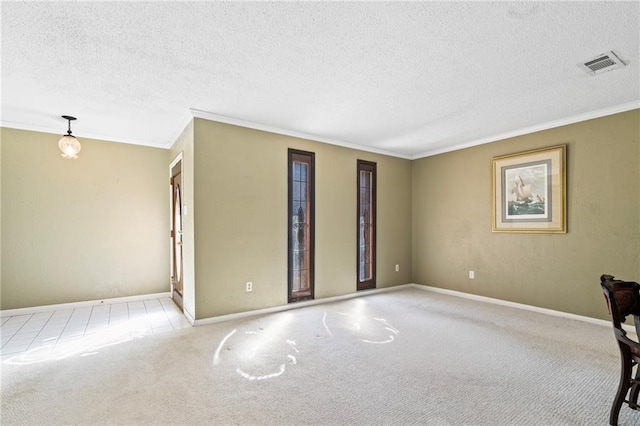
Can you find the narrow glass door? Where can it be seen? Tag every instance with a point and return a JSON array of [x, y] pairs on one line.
[[301, 225], [366, 225]]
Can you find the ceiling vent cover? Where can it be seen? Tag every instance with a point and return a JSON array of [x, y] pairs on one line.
[[602, 63]]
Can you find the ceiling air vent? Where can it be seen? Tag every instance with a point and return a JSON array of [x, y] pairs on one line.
[[603, 63]]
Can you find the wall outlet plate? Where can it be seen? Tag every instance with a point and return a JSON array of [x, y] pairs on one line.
[[249, 287]]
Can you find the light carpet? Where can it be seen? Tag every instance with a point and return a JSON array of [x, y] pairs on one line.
[[402, 357]]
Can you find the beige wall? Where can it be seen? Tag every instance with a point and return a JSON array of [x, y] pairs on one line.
[[0, 220], [85, 229], [452, 220], [97, 227], [241, 218]]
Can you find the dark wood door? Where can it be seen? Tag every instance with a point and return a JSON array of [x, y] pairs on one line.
[[301, 225], [366, 225]]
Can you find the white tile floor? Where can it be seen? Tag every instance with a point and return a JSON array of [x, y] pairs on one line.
[[59, 334]]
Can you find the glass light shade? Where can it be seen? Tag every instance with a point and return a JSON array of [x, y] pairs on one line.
[[69, 146]]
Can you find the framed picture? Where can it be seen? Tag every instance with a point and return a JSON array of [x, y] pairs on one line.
[[529, 191]]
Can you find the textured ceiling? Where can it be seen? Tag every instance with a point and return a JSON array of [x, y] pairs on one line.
[[410, 79]]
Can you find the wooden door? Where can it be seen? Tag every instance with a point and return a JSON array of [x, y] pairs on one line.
[[366, 225], [176, 236], [301, 225]]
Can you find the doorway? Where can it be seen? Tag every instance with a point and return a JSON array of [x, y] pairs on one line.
[[177, 262]]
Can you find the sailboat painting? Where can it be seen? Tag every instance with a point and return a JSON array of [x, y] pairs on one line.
[[529, 191], [526, 192]]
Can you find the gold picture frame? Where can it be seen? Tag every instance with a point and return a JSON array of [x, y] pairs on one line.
[[529, 191]]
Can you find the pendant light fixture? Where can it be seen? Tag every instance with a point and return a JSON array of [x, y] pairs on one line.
[[69, 145]]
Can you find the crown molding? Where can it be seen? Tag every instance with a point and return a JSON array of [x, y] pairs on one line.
[[286, 132], [192, 113], [186, 118], [532, 129]]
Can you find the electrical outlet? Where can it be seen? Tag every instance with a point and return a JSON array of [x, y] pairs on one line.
[[249, 287], [472, 275], [397, 268]]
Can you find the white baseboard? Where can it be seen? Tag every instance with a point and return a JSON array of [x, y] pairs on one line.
[[86, 304], [297, 305], [188, 316], [221, 318], [545, 311]]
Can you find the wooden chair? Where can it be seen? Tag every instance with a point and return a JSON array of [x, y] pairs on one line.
[[623, 299]]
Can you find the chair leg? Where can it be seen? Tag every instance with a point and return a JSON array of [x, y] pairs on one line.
[[635, 389], [623, 388]]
